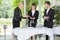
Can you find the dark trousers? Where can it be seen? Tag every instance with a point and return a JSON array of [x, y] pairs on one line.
[[16, 23], [31, 25], [47, 37]]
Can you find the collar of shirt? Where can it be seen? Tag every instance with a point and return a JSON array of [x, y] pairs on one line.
[[33, 12], [47, 10]]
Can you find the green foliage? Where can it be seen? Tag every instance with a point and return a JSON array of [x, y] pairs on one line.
[[5, 9], [57, 14], [15, 3], [0, 1], [29, 2]]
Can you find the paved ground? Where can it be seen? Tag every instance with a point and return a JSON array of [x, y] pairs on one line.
[[9, 38]]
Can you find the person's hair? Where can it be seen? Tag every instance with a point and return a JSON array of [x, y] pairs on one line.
[[48, 2], [33, 4], [21, 2]]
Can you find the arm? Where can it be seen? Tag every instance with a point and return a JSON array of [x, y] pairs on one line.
[[29, 15], [37, 15], [44, 12], [51, 15], [16, 13]]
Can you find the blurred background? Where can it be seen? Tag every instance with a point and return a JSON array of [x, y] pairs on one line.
[[7, 10]]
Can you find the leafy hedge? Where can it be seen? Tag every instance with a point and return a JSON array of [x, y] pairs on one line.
[[57, 14]]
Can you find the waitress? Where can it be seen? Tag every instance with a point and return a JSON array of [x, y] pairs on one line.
[[33, 16]]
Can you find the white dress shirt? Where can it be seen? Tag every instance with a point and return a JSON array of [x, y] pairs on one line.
[[33, 12], [47, 10]]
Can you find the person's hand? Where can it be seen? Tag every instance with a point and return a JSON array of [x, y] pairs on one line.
[[33, 18], [46, 18], [26, 16]]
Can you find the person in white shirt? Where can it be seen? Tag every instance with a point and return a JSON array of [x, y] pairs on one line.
[[48, 17], [33, 16]]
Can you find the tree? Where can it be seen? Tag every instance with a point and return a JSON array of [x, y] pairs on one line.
[[0, 2]]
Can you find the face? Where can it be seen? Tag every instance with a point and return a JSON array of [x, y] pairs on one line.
[[33, 7], [20, 5], [47, 6]]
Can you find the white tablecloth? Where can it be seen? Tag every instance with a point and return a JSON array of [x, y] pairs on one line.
[[25, 33], [56, 30]]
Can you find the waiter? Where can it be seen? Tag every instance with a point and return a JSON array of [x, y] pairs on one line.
[[17, 15], [48, 17], [33, 13]]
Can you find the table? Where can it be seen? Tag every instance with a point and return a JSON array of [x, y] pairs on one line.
[[25, 33]]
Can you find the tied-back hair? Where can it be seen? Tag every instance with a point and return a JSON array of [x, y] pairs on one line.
[[33, 4]]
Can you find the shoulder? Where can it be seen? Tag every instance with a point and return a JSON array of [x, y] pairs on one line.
[[16, 8], [45, 10], [37, 11], [51, 9], [29, 11]]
